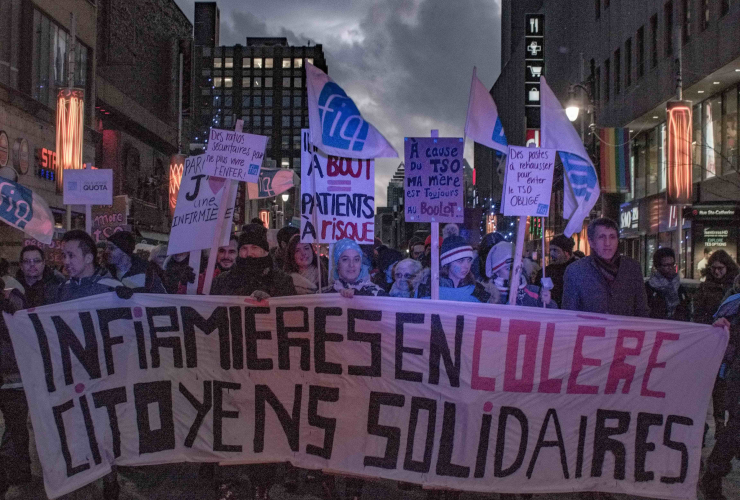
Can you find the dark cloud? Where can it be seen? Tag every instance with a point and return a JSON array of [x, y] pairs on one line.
[[406, 63]]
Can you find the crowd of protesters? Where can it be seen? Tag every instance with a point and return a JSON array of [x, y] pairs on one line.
[[602, 282]]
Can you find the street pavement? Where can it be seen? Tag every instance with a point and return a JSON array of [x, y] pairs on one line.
[[181, 482]]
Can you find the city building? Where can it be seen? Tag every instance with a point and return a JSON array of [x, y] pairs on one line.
[[623, 54], [264, 84], [137, 108], [34, 36]]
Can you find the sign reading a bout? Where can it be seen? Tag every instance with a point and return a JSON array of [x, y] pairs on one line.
[[88, 187]]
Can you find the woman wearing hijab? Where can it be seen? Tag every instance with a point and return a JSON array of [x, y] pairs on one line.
[[351, 276]]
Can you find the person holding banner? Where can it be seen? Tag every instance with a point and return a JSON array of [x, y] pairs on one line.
[[456, 280], [351, 276], [129, 269], [605, 282], [301, 263], [405, 278], [498, 270], [561, 256]]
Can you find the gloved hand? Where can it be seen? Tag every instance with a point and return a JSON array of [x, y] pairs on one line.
[[260, 295], [124, 292]]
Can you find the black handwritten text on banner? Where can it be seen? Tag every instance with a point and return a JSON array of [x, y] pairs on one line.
[[404, 389]]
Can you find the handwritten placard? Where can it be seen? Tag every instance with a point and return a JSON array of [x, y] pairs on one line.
[[234, 155], [433, 181], [528, 181]]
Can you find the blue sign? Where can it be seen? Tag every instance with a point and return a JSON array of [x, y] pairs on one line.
[[342, 125]]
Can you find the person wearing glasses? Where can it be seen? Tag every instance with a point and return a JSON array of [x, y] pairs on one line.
[[405, 274], [667, 299], [37, 279]]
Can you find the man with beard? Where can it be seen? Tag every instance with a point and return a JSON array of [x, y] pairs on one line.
[[253, 274], [225, 259]]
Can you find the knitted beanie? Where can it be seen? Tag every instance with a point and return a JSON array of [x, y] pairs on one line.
[[502, 254], [125, 241], [563, 242], [254, 234], [454, 248]]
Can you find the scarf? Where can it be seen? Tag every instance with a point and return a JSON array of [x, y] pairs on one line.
[[502, 285], [608, 268], [668, 288], [254, 266]]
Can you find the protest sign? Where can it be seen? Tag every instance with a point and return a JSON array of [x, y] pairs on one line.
[[109, 219], [433, 182], [338, 196], [528, 181], [419, 391], [196, 212], [53, 254], [272, 182], [88, 186], [234, 155]]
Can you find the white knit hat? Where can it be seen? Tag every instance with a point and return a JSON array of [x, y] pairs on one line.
[[501, 254]]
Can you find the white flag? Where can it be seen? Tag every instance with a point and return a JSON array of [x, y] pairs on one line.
[[581, 189], [483, 124], [337, 127], [23, 209]]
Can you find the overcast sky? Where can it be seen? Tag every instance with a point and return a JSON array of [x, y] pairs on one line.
[[406, 63]]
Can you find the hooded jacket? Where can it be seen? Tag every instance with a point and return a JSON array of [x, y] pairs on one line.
[[39, 293]]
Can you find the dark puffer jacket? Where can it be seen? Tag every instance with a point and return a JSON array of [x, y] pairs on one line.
[[709, 297], [240, 281], [100, 282], [142, 277], [40, 292]]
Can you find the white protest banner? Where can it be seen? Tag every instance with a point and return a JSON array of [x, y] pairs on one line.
[[234, 155], [472, 398], [433, 182], [528, 181], [197, 209], [88, 186], [337, 198]]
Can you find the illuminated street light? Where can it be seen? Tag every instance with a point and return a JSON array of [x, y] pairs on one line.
[[70, 120]]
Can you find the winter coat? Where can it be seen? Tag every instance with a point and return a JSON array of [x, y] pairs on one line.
[[38, 294], [659, 308], [11, 377], [238, 281], [467, 290], [586, 289], [709, 296], [100, 282], [176, 274], [556, 272], [362, 288], [528, 296], [142, 277]]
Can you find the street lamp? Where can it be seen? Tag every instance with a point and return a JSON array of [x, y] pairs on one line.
[[573, 107], [285, 197]]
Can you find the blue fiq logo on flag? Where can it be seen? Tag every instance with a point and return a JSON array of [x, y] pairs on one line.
[[342, 126], [16, 203]]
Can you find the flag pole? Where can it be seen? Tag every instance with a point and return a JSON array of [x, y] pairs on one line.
[[216, 243], [435, 249], [543, 258], [517, 269]]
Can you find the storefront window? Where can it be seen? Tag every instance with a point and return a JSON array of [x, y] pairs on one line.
[[652, 162], [729, 145], [662, 164], [698, 152], [713, 136], [640, 164]]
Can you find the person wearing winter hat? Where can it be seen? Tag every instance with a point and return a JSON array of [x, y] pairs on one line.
[[561, 256], [351, 276], [456, 281], [498, 270], [479, 262], [131, 270], [387, 258]]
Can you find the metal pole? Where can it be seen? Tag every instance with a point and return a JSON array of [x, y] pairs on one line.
[[435, 250]]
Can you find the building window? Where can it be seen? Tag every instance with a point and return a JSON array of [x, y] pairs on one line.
[[228, 82], [704, 14], [286, 81], [729, 125], [268, 101], [246, 82], [607, 78], [228, 101], [257, 119], [285, 121], [617, 71], [310, 60], [668, 28], [640, 52], [228, 62], [246, 62], [285, 163], [257, 101], [206, 91], [724, 7], [713, 136], [285, 142], [640, 165], [268, 82], [296, 121], [228, 121], [268, 62], [686, 28], [257, 63], [246, 101], [297, 142], [286, 101], [216, 101], [268, 120], [652, 162], [297, 62], [654, 40], [297, 82], [297, 101], [698, 152], [217, 80], [598, 84], [597, 6], [628, 63], [286, 62], [257, 82]]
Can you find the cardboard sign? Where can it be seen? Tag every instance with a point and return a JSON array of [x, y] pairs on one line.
[[471, 398], [434, 184], [338, 196], [197, 209], [528, 181], [88, 187], [234, 155], [107, 220]]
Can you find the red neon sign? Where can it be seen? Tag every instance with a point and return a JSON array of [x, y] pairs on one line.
[[679, 190]]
